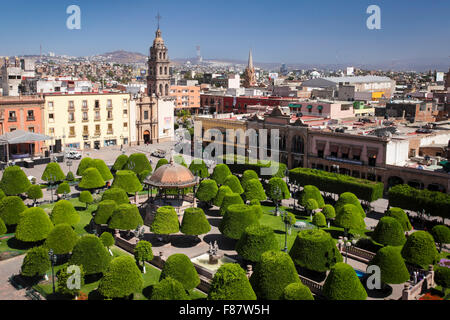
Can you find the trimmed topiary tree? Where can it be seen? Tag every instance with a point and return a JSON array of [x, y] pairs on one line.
[[86, 197], [311, 192], [169, 289], [34, 225], [247, 176], [272, 274], [34, 193], [179, 267], [392, 266], [319, 220], [255, 191], [120, 162], [229, 199], [2, 194], [231, 283], [236, 219], [257, 207], [137, 163], [105, 210], [85, 163], [315, 250], [343, 284], [116, 194], [61, 239], [220, 173], [53, 173], [143, 252], [277, 190], [125, 217], [401, 217], [91, 179], [255, 241], [128, 181], [179, 159], [441, 235], [234, 184], [166, 221], [107, 239], [122, 279], [101, 166], [311, 205], [36, 262], [329, 212], [3, 228], [161, 162], [442, 277], [10, 209], [223, 190], [64, 212], [14, 181], [63, 277], [389, 232], [349, 198], [90, 253], [63, 188], [207, 191], [297, 291], [70, 177], [349, 217], [420, 249], [194, 222], [144, 175], [199, 168]]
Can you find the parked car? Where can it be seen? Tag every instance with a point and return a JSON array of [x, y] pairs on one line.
[[74, 155], [159, 153]]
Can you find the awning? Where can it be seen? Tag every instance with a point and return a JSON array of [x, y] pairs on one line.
[[310, 107], [320, 107], [20, 136]]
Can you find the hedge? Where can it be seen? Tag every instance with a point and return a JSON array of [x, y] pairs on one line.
[[207, 190], [10, 209], [122, 279], [319, 220], [34, 225], [315, 249], [343, 284], [254, 191], [247, 176], [64, 212], [392, 266], [138, 162], [107, 239], [220, 173], [256, 205], [84, 164], [297, 291], [311, 192], [125, 217], [277, 189], [166, 221], [441, 234], [169, 289], [120, 162], [389, 232], [91, 254], [91, 179], [240, 168], [231, 283], [53, 173], [255, 241], [3, 228], [349, 198], [14, 181], [329, 212], [337, 183], [272, 274], [161, 162], [194, 222], [223, 190], [116, 194], [401, 217], [61, 239], [234, 184], [179, 267], [2, 194], [63, 188], [36, 262], [433, 202], [104, 211], [229, 199], [86, 197], [420, 249], [101, 166], [236, 219], [349, 217], [199, 168], [128, 181]]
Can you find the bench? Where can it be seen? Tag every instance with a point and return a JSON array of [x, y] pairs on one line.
[[14, 283], [33, 295]]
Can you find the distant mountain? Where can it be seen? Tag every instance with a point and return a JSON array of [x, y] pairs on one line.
[[124, 57]]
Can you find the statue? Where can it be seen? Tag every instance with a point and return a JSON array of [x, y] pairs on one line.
[[213, 253]]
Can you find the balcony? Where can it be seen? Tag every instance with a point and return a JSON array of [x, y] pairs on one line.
[[85, 120], [31, 118], [97, 119], [110, 131], [109, 107], [84, 108], [85, 133], [97, 108], [12, 119], [72, 135], [97, 134], [109, 119], [71, 108]]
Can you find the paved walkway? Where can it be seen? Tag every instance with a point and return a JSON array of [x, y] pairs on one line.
[[8, 268]]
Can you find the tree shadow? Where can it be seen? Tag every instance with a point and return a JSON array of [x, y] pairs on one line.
[[154, 239], [334, 233], [213, 213], [17, 244], [58, 296], [374, 215], [147, 291], [311, 274], [91, 278], [215, 222], [223, 242], [384, 292], [184, 241], [95, 295]]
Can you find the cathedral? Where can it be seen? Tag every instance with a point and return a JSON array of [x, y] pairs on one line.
[[249, 73]]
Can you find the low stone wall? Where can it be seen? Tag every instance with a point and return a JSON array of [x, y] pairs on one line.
[[413, 292], [315, 287]]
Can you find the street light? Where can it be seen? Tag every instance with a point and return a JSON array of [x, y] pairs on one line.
[[347, 243], [51, 181], [69, 163], [52, 258]]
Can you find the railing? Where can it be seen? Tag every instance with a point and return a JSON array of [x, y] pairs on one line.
[[411, 292], [32, 118], [12, 119], [367, 255], [315, 287]]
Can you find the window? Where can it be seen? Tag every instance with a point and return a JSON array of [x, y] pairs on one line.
[[51, 130], [109, 103], [71, 117], [50, 105], [110, 128], [51, 117], [31, 129], [85, 116], [85, 130], [30, 115], [97, 115], [110, 116], [84, 103], [12, 116], [125, 112], [72, 131], [125, 102], [125, 126], [145, 115], [97, 129], [71, 105]]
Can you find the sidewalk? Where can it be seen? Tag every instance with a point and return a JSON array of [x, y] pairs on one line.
[[8, 268]]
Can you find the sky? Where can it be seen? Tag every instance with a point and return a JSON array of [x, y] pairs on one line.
[[284, 31]]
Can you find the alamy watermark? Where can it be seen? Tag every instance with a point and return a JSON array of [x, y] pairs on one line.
[[374, 20], [73, 22]]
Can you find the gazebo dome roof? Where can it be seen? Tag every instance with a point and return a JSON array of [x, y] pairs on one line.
[[172, 176]]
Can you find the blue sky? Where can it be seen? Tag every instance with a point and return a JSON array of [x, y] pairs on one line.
[[290, 31]]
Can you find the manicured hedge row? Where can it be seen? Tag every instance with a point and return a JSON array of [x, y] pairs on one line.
[[337, 183], [238, 168]]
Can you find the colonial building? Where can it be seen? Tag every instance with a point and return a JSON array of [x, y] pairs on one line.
[[158, 80], [249, 73]]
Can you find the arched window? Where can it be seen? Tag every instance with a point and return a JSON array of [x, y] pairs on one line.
[[160, 55], [160, 70], [160, 89], [167, 89], [165, 70]]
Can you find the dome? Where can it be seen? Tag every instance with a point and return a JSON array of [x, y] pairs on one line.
[[172, 176]]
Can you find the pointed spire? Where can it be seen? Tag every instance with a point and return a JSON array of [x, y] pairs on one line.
[[250, 59]]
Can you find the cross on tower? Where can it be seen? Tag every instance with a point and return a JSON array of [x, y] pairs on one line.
[[158, 18]]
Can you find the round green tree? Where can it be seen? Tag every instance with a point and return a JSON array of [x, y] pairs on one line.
[[101, 166], [117, 194], [272, 274], [229, 199], [90, 253], [161, 162], [120, 162], [137, 163], [441, 234], [105, 210], [3, 228], [257, 207], [63, 188], [420, 249], [319, 220], [223, 190], [207, 191], [86, 197], [10, 209], [70, 177], [144, 175], [64, 212], [349, 198], [297, 291], [234, 184], [311, 192], [343, 284], [128, 181], [255, 191], [53, 173], [143, 252], [220, 173], [194, 222], [179, 159], [34, 225], [329, 212], [85, 163], [389, 232], [401, 217], [126, 217], [255, 241], [392, 266], [311, 205], [349, 218], [277, 189], [61, 239], [315, 250], [236, 219], [169, 289], [63, 276], [231, 283], [179, 267], [91, 179], [166, 221], [2, 194], [34, 193], [36, 262], [122, 279], [107, 239], [442, 277], [247, 176], [14, 181], [199, 168]]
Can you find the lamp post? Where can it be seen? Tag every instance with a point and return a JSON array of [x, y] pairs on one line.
[[51, 181], [285, 230], [277, 195], [69, 164], [52, 258], [347, 243]]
